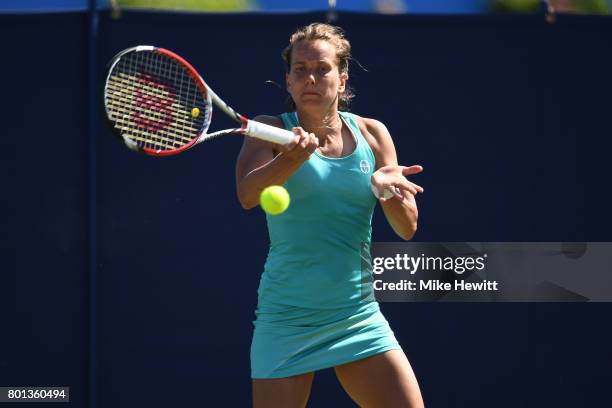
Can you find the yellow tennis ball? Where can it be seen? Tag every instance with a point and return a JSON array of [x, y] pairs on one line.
[[274, 200], [195, 112]]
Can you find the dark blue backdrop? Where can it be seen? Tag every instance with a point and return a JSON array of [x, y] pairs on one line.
[[508, 115]]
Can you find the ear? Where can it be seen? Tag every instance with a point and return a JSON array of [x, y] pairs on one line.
[[343, 79], [287, 83]]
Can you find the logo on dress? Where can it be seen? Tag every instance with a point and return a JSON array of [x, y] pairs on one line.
[[364, 166]]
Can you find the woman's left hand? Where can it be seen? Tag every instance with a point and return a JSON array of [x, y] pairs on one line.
[[393, 179]]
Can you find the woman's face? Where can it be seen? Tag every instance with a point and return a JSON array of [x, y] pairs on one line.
[[313, 79]]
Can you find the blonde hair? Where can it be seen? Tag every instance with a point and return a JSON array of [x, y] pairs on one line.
[[335, 36]]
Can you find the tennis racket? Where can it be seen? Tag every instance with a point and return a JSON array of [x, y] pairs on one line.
[[159, 105]]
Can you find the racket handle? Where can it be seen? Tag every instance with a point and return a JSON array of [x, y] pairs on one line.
[[267, 132]]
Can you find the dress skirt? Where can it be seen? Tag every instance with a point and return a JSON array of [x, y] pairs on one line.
[[295, 340]]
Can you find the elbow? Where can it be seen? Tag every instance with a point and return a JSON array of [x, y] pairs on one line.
[[413, 224], [408, 233], [410, 227], [245, 202], [245, 205], [248, 206], [405, 225]]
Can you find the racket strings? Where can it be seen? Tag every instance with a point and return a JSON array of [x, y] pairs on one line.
[[121, 98], [153, 101]]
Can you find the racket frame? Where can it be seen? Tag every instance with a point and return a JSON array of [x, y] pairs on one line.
[[248, 127]]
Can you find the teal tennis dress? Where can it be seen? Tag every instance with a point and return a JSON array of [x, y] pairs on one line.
[[316, 307]]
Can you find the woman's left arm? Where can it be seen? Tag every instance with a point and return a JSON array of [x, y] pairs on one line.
[[400, 209]]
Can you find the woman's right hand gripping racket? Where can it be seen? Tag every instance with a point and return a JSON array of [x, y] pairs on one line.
[[160, 105]]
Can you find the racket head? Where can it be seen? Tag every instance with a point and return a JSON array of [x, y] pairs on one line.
[[156, 101]]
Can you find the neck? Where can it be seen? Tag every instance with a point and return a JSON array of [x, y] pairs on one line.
[[324, 125]]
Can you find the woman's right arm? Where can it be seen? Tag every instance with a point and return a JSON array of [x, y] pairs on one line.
[[261, 164]]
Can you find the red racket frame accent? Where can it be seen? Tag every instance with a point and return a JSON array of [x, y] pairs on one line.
[[200, 82], [203, 88]]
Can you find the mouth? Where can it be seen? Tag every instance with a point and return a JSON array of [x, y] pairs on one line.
[[310, 94]]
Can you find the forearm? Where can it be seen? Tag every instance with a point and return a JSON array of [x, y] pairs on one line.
[[275, 172], [402, 215]]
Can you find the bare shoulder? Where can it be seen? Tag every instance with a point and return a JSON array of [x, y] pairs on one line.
[[375, 132], [372, 125]]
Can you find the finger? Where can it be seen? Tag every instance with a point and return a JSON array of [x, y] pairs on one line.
[[292, 143], [414, 186], [390, 192], [404, 184], [398, 192], [315, 140], [304, 142], [380, 192], [300, 132], [408, 187], [411, 187], [384, 197], [417, 187], [406, 171], [313, 143]]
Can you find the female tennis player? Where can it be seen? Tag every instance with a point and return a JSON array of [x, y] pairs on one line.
[[313, 311]]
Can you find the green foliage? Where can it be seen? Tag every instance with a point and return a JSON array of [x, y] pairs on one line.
[[516, 6], [592, 6], [533, 6], [192, 5]]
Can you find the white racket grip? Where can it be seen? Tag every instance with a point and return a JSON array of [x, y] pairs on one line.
[[267, 132]]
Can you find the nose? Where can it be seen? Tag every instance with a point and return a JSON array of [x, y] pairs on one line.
[[310, 78]]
